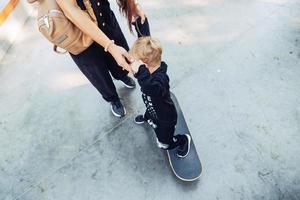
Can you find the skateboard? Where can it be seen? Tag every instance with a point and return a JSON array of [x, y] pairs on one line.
[[188, 168]]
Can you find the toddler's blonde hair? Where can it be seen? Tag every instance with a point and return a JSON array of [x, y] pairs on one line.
[[148, 50]]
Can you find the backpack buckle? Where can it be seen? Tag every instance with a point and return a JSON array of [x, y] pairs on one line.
[[46, 21]]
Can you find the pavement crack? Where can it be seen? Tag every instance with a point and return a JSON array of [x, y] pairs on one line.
[[263, 175], [36, 185]]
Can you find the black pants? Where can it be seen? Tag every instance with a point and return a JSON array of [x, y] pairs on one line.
[[165, 136], [165, 133], [97, 65]]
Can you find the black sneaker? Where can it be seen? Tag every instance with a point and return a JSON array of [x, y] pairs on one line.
[[184, 150], [128, 82], [139, 119], [118, 109]]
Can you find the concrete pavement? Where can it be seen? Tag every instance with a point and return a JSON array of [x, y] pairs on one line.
[[235, 68]]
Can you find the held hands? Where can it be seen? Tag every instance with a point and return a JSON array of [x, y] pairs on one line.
[[136, 65], [121, 56]]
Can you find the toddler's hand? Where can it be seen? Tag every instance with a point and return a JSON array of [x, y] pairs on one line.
[[136, 65]]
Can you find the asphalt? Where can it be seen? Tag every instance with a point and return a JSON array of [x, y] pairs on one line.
[[234, 67]]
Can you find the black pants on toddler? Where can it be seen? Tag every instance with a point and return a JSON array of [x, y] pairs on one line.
[[166, 138]]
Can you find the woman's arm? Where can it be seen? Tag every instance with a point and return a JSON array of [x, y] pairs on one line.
[[140, 12], [81, 19]]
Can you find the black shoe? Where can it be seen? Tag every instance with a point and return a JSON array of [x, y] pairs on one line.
[[128, 82], [118, 109], [184, 150], [139, 119]]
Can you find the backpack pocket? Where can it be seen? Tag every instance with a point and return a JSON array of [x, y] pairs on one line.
[[56, 28], [60, 31]]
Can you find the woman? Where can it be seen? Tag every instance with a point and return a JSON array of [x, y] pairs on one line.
[[108, 54]]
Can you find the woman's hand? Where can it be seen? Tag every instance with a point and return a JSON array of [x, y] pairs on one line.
[[121, 56], [140, 13]]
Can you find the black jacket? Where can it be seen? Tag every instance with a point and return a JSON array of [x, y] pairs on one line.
[[156, 94]]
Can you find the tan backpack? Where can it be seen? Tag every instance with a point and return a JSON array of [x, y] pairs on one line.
[[59, 30]]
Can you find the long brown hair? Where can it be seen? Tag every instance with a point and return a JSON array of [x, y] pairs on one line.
[[128, 8]]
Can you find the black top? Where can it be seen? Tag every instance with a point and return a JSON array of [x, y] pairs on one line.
[[102, 12], [156, 94]]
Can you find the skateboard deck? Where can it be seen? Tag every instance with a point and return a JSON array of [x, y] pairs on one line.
[[188, 168]]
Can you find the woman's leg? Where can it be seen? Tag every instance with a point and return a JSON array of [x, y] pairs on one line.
[[93, 65], [117, 35]]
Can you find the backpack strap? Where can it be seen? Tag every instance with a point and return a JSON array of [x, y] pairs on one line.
[[89, 9], [31, 1]]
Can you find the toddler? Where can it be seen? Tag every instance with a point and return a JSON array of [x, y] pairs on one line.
[[161, 114]]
